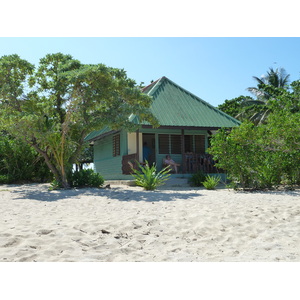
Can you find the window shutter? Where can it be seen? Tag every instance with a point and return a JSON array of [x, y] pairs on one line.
[[176, 144], [199, 143], [163, 143], [116, 145]]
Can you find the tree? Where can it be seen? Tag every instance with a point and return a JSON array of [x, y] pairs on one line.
[[268, 88], [276, 78], [234, 106], [54, 106], [262, 156], [20, 162]]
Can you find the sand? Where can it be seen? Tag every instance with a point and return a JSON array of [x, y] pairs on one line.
[[128, 224]]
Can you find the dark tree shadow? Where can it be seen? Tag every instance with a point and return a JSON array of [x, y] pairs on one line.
[[150, 196], [283, 192], [115, 193]]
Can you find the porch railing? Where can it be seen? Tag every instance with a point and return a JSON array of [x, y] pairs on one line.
[[199, 162], [128, 161], [192, 164]]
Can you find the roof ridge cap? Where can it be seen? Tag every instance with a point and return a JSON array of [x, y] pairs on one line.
[[149, 85], [155, 84]]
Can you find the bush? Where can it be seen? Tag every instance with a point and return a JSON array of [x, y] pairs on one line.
[[197, 179], [148, 178], [21, 163], [211, 182], [264, 156], [86, 178], [4, 179]]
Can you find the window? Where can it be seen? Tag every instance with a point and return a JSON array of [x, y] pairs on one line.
[[116, 145], [175, 144], [171, 144], [163, 143], [199, 143]]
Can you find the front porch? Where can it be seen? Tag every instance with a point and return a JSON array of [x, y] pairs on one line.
[[186, 146], [190, 164]]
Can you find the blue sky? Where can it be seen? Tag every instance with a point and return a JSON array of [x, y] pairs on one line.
[[213, 68]]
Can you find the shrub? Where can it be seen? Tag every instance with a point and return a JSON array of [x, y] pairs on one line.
[[264, 156], [4, 179], [86, 178], [148, 178], [21, 163], [211, 182], [55, 185], [197, 179]]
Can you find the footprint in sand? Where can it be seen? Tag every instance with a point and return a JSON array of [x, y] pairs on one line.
[[43, 231], [11, 243]]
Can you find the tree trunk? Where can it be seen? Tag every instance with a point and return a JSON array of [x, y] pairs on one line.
[[61, 178]]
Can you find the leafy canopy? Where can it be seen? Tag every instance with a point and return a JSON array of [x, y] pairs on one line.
[[261, 156], [55, 105]]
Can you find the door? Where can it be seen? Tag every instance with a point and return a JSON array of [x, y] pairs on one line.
[[149, 147]]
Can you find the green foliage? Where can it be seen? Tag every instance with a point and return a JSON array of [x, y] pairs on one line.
[[272, 93], [211, 182], [20, 163], [54, 106], [197, 178], [80, 179], [263, 156], [234, 106], [4, 179], [148, 178], [274, 78], [55, 185], [86, 178]]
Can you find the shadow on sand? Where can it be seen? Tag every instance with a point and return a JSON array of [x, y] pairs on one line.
[[41, 193]]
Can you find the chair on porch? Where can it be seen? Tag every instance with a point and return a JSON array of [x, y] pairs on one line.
[[168, 161]]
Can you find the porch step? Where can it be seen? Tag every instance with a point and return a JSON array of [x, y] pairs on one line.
[[176, 182], [119, 182]]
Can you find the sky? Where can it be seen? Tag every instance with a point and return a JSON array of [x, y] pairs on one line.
[[212, 68]]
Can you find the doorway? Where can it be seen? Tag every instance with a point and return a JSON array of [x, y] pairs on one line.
[[149, 147]]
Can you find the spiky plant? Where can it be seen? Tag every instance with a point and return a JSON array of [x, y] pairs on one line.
[[211, 182], [147, 177]]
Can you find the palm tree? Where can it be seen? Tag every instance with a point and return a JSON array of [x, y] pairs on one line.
[[276, 78], [258, 110]]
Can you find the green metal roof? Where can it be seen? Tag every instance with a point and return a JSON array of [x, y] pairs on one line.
[[174, 106], [95, 134]]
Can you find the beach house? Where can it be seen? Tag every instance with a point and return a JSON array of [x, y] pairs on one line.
[[186, 125]]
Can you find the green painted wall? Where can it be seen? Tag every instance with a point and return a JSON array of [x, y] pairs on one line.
[[104, 163]]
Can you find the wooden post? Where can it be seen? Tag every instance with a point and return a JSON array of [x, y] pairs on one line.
[[183, 152], [138, 144]]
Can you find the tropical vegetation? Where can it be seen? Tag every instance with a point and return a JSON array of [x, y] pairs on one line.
[[52, 107], [211, 182], [263, 152], [20, 163], [197, 178], [147, 176]]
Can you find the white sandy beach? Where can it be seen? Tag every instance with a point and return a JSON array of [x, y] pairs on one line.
[[128, 224]]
